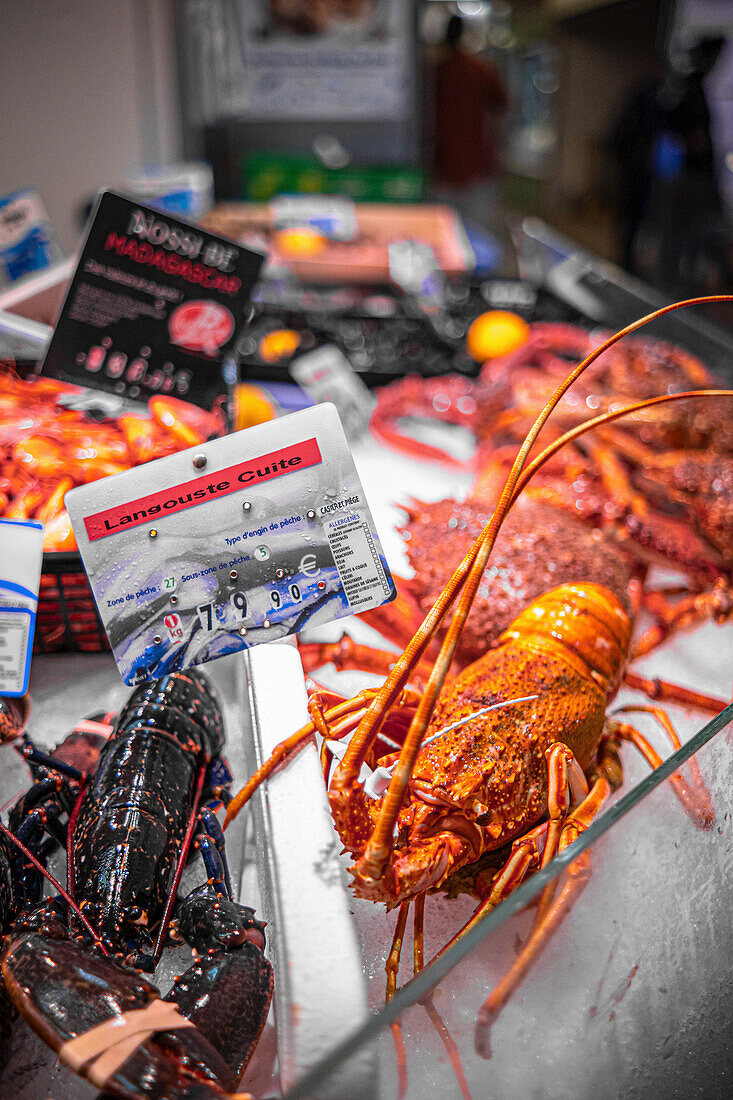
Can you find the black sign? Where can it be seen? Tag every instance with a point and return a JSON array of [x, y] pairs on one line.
[[153, 307]]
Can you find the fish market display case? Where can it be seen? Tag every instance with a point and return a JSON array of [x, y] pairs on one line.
[[630, 996]]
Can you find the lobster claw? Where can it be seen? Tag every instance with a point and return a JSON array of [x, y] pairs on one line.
[[65, 990], [13, 717], [227, 991]]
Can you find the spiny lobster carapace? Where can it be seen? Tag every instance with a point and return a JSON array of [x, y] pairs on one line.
[[516, 754]]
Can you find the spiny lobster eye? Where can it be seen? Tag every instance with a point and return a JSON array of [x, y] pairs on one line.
[[134, 913]]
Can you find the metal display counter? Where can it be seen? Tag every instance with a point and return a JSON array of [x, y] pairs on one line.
[[629, 998]]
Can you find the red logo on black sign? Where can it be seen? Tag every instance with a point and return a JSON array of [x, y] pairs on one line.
[[201, 326]]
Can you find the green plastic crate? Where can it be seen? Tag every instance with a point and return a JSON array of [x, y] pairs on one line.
[[267, 174]]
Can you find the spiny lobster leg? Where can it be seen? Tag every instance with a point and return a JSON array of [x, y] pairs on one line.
[[428, 1004], [694, 797], [351, 710], [616, 481], [393, 959], [392, 967], [347, 654], [566, 786], [663, 690], [525, 856], [609, 768], [549, 916], [686, 614]]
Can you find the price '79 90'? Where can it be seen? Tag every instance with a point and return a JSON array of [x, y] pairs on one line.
[[211, 614]]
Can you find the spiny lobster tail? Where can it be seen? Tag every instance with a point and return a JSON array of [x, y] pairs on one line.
[[588, 620]]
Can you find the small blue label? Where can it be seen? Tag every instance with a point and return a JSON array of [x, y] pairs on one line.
[[27, 240]]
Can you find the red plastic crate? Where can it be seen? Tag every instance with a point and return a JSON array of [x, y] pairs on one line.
[[67, 620]]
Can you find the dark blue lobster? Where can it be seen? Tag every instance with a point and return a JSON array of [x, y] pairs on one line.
[[74, 963]]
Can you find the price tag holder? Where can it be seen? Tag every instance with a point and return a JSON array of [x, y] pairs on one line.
[[21, 557], [242, 540], [327, 375], [414, 268], [513, 294], [154, 305]]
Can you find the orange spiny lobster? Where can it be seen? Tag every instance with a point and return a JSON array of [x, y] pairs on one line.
[[516, 756], [46, 448], [657, 485]]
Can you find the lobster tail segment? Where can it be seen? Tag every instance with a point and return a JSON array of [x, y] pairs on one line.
[[584, 621]]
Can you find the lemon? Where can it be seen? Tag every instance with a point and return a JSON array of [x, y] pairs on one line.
[[279, 344], [497, 332], [301, 241], [251, 406]]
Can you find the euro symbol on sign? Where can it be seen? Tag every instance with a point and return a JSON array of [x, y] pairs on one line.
[[308, 565]]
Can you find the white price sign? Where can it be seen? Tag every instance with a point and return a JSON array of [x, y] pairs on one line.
[[327, 375], [241, 540], [16, 641]]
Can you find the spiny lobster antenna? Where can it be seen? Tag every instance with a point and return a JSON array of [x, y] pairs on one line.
[[370, 865]]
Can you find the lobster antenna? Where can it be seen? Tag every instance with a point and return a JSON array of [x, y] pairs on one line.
[[380, 844], [55, 883], [182, 857], [70, 836]]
